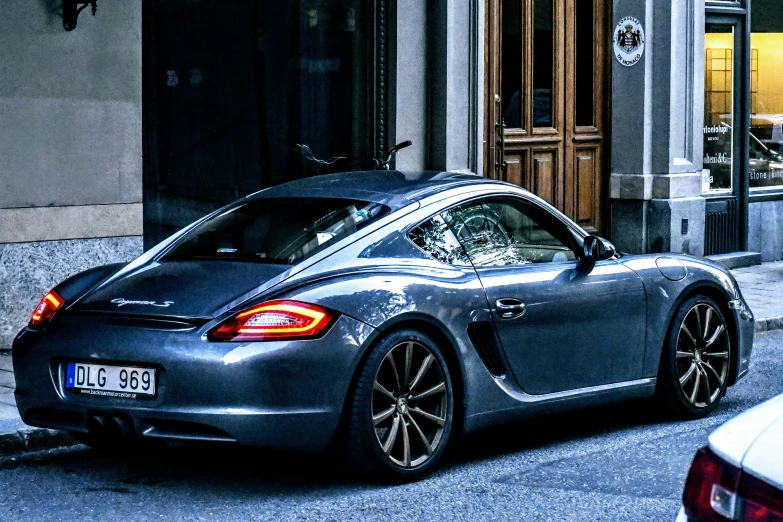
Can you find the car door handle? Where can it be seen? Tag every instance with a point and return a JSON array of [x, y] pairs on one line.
[[509, 308]]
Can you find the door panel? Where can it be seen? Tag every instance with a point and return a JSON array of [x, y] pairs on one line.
[[563, 324], [586, 185], [545, 175], [513, 171], [571, 335], [547, 80]]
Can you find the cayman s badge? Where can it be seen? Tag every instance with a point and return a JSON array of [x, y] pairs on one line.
[[120, 302]]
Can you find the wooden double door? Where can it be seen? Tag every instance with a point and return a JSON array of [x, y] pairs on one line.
[[547, 87]]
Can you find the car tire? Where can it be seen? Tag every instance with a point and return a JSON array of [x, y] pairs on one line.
[[696, 360], [402, 409]]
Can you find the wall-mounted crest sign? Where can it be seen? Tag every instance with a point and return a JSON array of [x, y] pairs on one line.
[[628, 41]]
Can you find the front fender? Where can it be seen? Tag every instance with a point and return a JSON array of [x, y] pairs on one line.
[[664, 297]]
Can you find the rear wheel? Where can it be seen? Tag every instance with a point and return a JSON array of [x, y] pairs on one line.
[[694, 370], [402, 409]]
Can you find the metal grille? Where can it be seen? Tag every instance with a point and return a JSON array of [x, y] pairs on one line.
[[720, 228]]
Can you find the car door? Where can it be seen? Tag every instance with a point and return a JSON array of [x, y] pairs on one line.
[[563, 323]]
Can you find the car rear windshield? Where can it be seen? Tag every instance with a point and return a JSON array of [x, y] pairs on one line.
[[279, 231]]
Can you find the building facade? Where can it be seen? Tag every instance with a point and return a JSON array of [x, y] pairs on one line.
[[655, 124]]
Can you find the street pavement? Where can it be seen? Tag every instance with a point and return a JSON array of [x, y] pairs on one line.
[[621, 462]]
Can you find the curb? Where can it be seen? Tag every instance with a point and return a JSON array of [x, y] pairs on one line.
[[769, 324], [17, 438]]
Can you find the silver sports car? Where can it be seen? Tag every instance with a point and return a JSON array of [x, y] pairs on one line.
[[383, 312]]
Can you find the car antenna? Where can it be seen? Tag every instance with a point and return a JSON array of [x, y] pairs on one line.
[[385, 164]]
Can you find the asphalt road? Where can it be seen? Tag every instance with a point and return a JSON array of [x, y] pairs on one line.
[[614, 463]]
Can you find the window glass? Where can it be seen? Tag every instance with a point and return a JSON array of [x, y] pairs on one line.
[[766, 135], [437, 241], [717, 174], [247, 94], [543, 63], [505, 231], [585, 68], [512, 63], [281, 231]]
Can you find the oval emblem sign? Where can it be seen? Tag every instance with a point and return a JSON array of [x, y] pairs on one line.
[[629, 41]]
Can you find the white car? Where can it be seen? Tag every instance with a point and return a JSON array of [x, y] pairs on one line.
[[739, 474]]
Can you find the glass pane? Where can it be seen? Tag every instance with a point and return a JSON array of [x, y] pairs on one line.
[[543, 71], [766, 133], [249, 94], [500, 232], [585, 55], [511, 73], [437, 241], [718, 168], [280, 231]]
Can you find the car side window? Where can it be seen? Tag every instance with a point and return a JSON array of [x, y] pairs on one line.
[[436, 240], [510, 231]]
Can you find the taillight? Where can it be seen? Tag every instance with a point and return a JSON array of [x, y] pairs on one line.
[[761, 501], [275, 320], [711, 488], [43, 313]]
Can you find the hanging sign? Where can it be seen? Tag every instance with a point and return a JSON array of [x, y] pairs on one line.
[[628, 41]]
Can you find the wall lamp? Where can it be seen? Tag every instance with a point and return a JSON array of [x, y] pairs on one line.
[[71, 11]]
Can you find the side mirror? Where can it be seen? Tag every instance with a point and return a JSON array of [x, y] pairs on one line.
[[592, 250], [596, 249], [609, 249]]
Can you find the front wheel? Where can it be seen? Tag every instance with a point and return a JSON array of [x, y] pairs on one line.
[[402, 409], [694, 370]]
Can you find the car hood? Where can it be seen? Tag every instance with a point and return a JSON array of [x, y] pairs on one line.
[[752, 441], [187, 289]]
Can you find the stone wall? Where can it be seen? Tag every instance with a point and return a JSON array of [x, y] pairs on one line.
[[29, 270], [70, 122], [765, 229]]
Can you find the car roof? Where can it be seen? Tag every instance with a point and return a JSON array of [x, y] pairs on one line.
[[393, 188]]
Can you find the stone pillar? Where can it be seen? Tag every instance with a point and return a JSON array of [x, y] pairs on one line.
[[436, 78], [657, 119], [456, 59]]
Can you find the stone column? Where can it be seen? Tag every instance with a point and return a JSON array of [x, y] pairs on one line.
[[657, 120]]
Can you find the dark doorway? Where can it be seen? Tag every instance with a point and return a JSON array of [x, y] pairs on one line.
[[234, 90]]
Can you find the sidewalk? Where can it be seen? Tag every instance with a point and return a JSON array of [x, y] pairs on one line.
[[762, 287]]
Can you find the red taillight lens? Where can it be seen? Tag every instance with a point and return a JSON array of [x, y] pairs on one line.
[[762, 502], [43, 313], [711, 488], [275, 320]]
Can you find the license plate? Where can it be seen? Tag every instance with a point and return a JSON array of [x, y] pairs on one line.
[[111, 381]]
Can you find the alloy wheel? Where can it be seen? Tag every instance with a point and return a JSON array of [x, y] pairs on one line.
[[409, 404], [702, 355]]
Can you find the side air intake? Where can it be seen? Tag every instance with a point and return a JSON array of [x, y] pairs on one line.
[[484, 340]]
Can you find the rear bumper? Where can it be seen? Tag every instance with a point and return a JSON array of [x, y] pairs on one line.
[[743, 318], [281, 395]]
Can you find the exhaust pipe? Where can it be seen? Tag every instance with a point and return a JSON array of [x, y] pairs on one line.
[[113, 427]]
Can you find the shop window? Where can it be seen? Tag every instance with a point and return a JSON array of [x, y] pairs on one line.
[[718, 110], [245, 94], [766, 125]]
